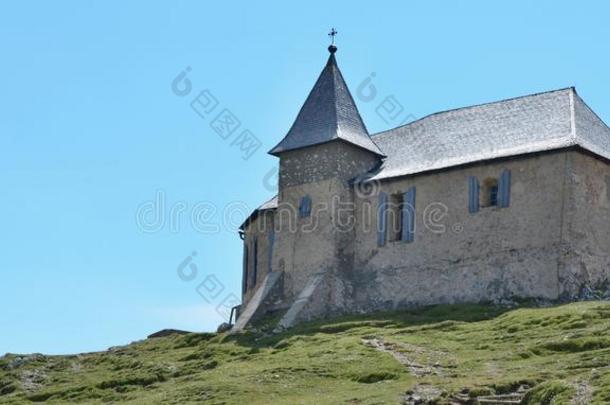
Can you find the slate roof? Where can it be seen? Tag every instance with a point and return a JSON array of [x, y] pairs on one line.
[[533, 123], [267, 205], [270, 204], [329, 113]]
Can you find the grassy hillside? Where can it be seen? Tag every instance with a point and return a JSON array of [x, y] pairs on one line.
[[450, 353]]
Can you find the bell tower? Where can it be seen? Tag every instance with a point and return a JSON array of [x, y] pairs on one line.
[[326, 147]]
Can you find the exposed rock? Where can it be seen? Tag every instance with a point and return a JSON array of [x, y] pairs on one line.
[[224, 327], [513, 398], [422, 394], [583, 395], [167, 332], [21, 360], [32, 380]]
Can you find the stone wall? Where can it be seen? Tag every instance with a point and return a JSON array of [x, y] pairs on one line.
[[305, 246], [317, 243], [492, 254], [585, 260], [333, 160], [258, 230]]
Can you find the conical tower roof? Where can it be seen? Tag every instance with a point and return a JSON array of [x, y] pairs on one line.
[[329, 113]]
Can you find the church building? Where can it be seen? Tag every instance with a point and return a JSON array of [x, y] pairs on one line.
[[497, 202]]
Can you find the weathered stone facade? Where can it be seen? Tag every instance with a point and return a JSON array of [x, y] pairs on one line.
[[542, 232]]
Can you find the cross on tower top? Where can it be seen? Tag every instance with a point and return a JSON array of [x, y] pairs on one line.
[[332, 34]]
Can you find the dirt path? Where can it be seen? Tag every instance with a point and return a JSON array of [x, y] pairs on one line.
[[584, 393], [406, 355], [424, 393]]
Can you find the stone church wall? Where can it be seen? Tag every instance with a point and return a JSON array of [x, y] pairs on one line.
[[585, 259], [493, 254]]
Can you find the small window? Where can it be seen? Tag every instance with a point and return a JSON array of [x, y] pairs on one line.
[[305, 207], [401, 216], [493, 195], [489, 193]]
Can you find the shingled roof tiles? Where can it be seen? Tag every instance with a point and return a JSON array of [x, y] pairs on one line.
[[533, 123], [329, 113]]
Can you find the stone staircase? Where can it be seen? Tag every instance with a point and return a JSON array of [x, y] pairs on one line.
[[298, 309], [256, 305]]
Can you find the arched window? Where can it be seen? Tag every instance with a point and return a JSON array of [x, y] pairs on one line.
[[489, 193]]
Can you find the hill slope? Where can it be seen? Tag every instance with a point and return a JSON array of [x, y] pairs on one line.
[[446, 352]]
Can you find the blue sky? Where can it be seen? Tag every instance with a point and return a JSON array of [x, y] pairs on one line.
[[91, 133]]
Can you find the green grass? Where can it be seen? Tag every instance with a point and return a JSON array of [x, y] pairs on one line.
[[560, 351]]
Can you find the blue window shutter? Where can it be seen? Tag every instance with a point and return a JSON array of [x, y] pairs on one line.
[[244, 281], [271, 243], [305, 207], [504, 189], [473, 194], [382, 218], [254, 261], [408, 216]]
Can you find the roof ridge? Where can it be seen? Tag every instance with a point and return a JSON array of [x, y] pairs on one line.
[[572, 115], [358, 114], [583, 102], [475, 105], [334, 69]]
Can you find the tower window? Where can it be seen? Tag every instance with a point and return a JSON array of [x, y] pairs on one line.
[[305, 207]]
